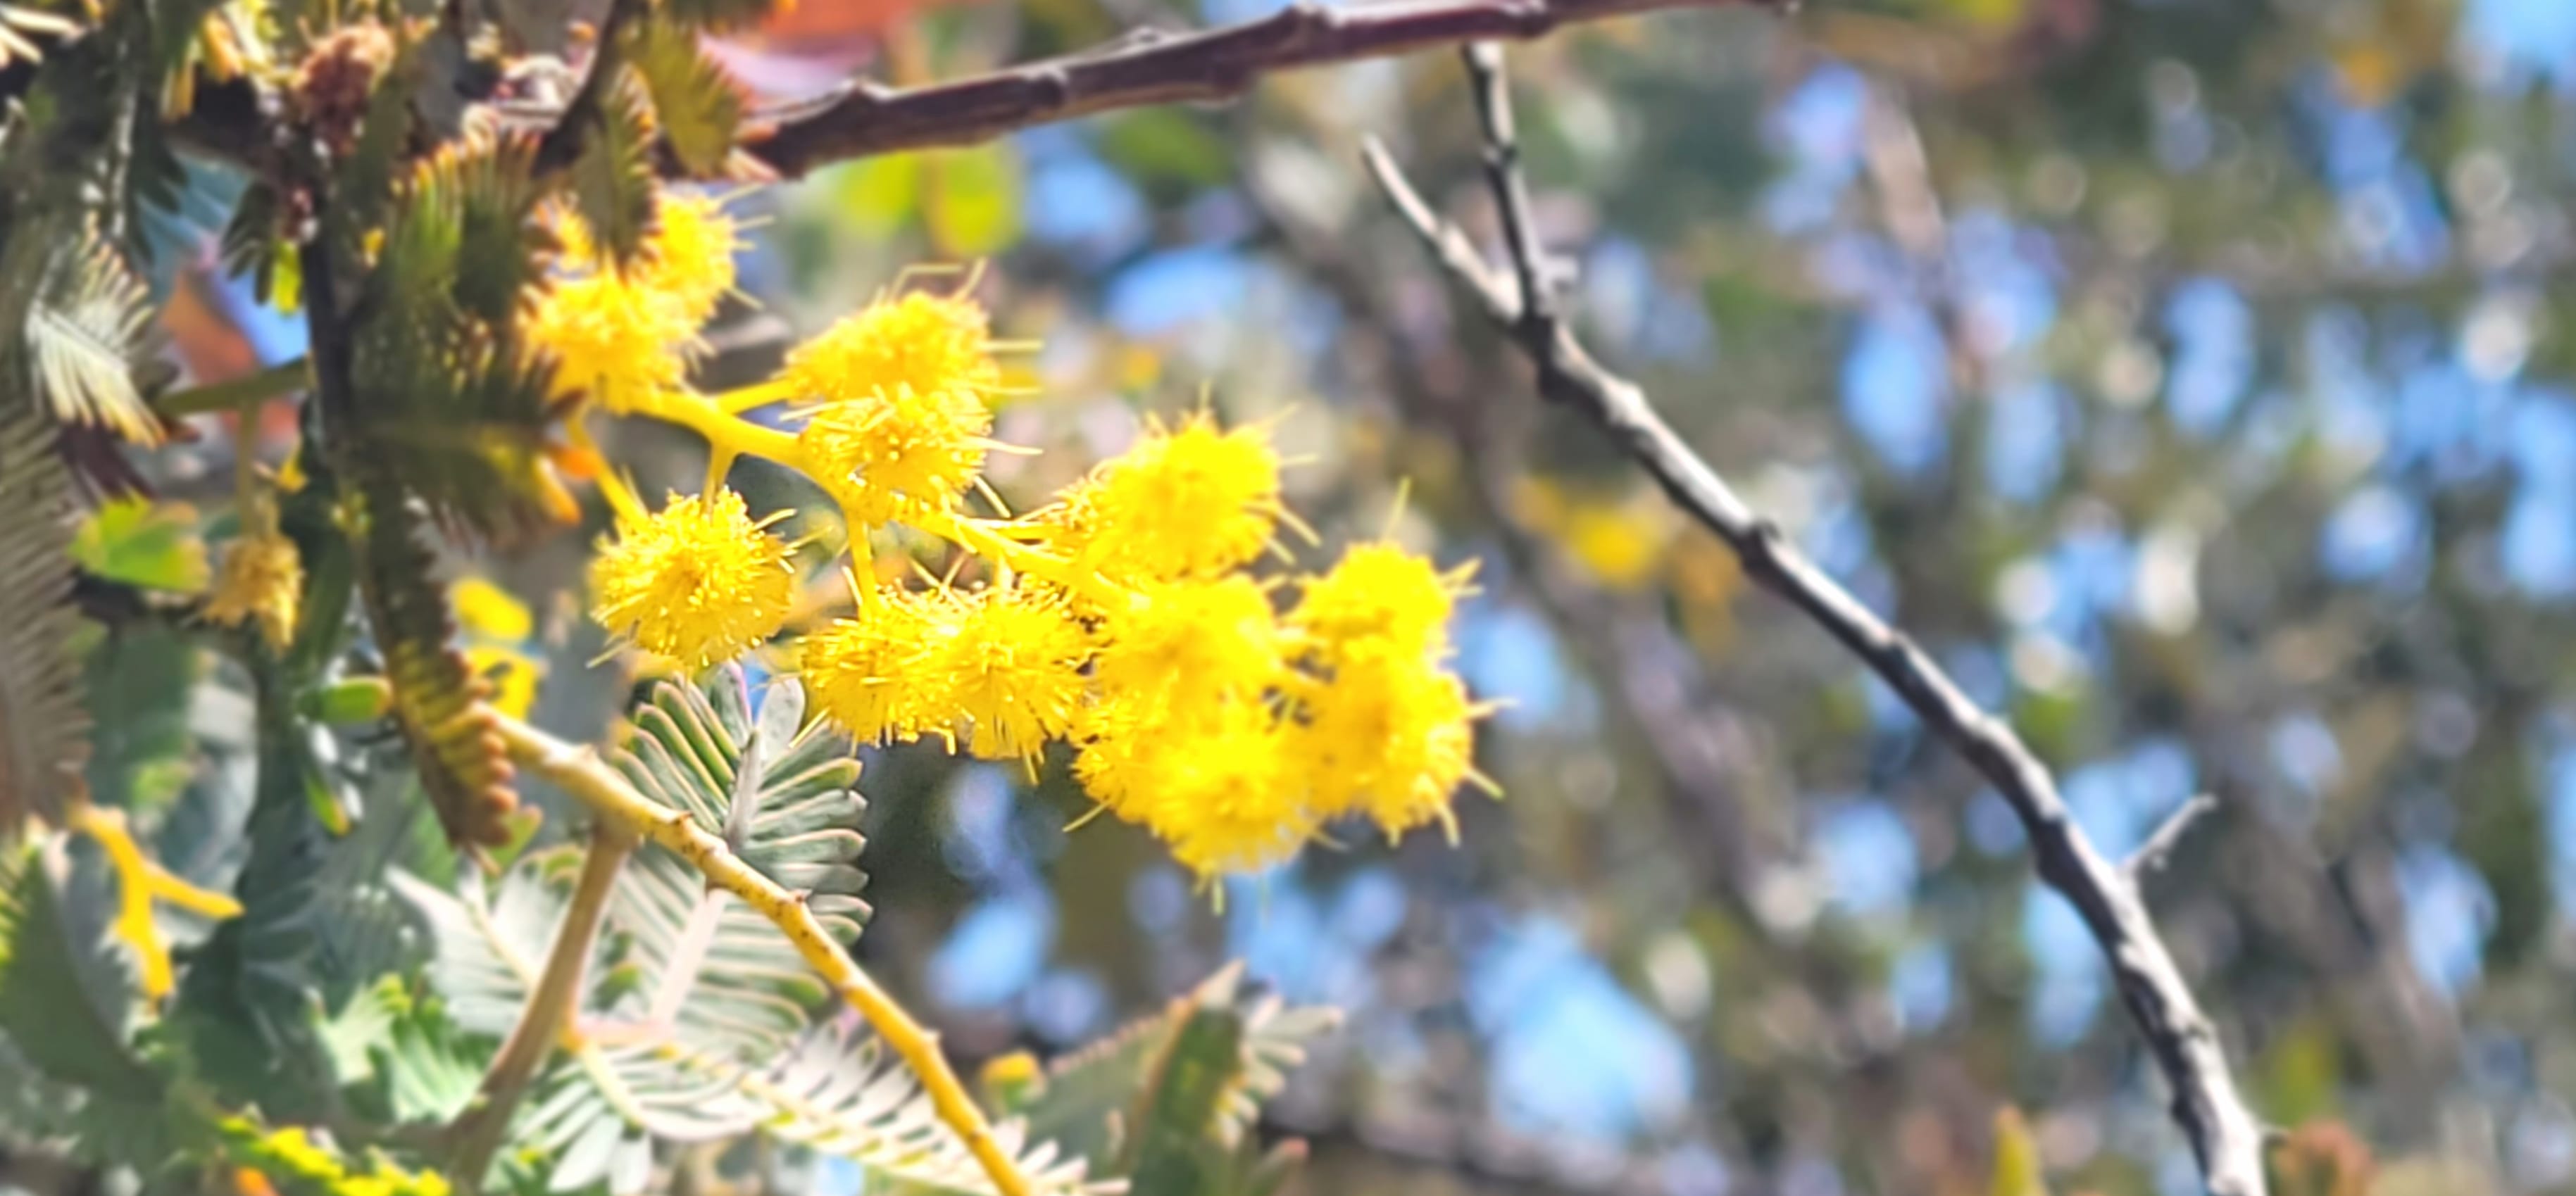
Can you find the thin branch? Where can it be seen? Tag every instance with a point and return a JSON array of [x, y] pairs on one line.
[[2225, 1137], [580, 772], [549, 1013], [1147, 67], [1502, 158], [276, 381], [2151, 855]]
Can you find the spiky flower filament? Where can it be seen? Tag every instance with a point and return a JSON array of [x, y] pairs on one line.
[[866, 672], [1378, 597], [1187, 500], [700, 581], [1012, 672], [1389, 735], [621, 337], [903, 454], [926, 343], [1192, 643]]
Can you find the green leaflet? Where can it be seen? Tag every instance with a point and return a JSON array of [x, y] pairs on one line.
[[782, 793], [695, 102], [454, 408], [612, 181], [699, 1014], [1094, 1101]]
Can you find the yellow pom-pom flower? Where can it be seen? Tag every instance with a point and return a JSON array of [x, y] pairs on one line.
[[867, 674], [699, 582], [1391, 736], [1187, 643], [1226, 795], [690, 254], [1013, 673], [1378, 596], [898, 453], [929, 343], [617, 339], [621, 336], [1184, 501], [262, 581]]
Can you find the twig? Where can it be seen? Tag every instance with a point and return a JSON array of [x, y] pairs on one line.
[[549, 1012], [1147, 67], [1502, 158], [580, 772], [276, 381], [2225, 1137], [2150, 855]]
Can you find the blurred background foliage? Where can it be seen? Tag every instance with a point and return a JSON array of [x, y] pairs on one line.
[[2190, 375]]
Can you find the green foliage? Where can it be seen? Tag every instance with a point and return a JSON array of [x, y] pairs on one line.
[[50, 1014], [436, 698], [138, 682], [693, 99], [780, 790], [89, 335], [133, 541], [452, 406], [399, 1056], [612, 181], [1172, 1098], [697, 1024]]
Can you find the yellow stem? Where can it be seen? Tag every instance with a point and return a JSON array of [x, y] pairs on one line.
[[758, 394], [724, 431], [138, 881], [580, 772]]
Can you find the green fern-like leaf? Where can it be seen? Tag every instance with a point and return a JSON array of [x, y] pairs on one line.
[[44, 726], [454, 407], [782, 792], [88, 334], [693, 98], [612, 181], [1095, 1100], [438, 702], [698, 1027]]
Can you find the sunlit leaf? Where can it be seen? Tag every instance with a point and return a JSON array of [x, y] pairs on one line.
[[142, 543]]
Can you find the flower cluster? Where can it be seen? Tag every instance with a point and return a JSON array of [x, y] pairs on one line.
[[1234, 715]]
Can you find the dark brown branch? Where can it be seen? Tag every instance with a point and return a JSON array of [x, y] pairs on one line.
[[2225, 1136], [1147, 67]]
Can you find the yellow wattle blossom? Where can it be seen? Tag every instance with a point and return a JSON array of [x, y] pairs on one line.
[[898, 453], [1013, 673], [865, 674], [1188, 643], [690, 254], [261, 582], [613, 338], [624, 336], [1378, 593], [1125, 618], [1227, 797], [927, 343], [1390, 735], [1184, 501], [700, 581]]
